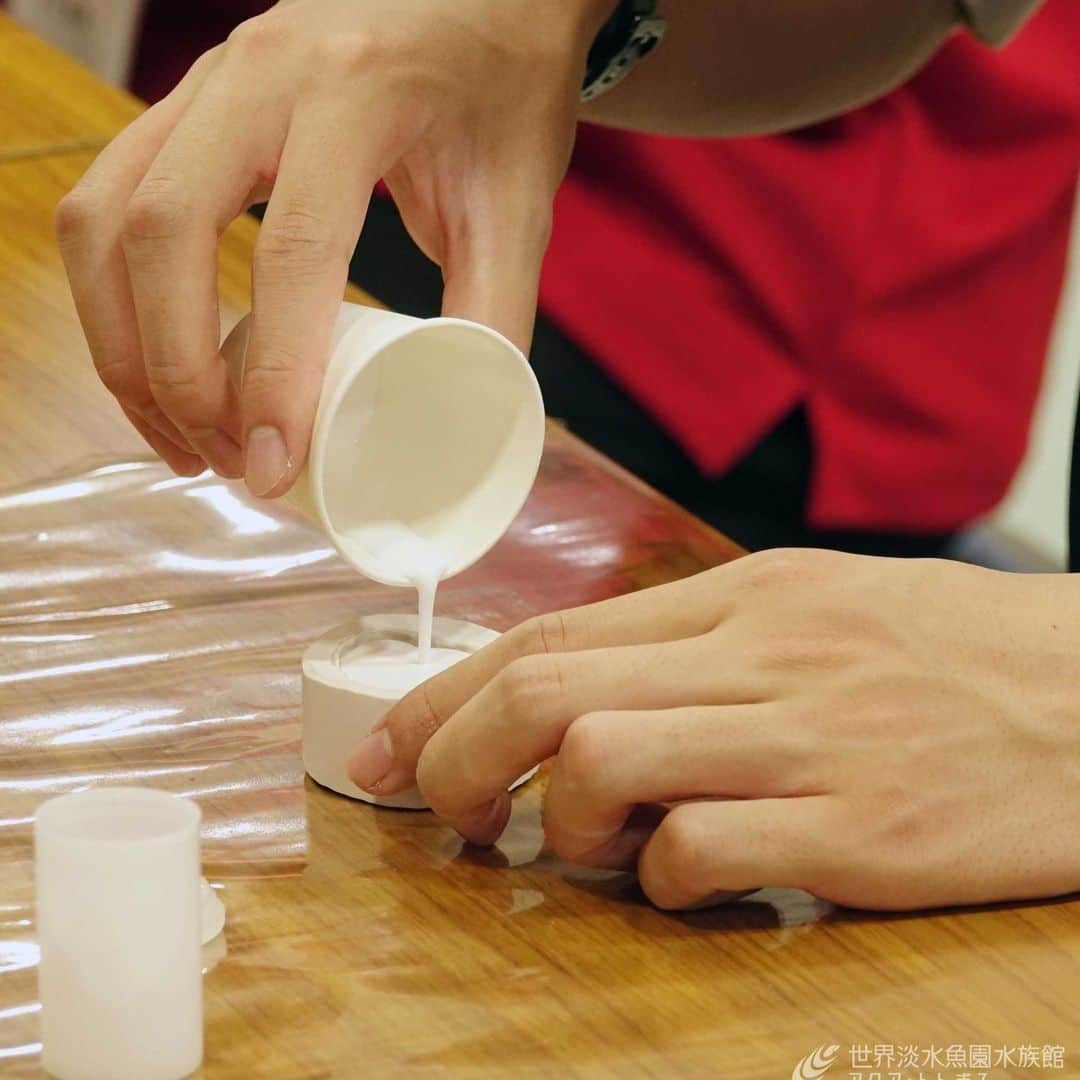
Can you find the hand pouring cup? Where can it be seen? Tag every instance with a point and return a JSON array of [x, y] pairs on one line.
[[431, 426]]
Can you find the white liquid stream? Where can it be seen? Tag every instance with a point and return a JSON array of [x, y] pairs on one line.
[[405, 556]]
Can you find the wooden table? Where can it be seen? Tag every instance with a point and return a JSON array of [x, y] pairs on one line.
[[370, 943], [50, 104]]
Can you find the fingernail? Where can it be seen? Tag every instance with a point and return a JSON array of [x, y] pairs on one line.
[[372, 760], [189, 468], [221, 452], [267, 461], [182, 463], [488, 826], [161, 423]]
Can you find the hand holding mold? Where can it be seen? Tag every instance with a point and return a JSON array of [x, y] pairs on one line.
[[866, 729]]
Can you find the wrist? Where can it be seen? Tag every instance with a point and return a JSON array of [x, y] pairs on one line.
[[597, 12], [567, 26], [590, 17]]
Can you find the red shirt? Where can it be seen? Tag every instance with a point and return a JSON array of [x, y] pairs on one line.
[[896, 271]]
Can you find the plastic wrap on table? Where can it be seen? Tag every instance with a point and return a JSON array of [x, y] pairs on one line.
[[150, 633]]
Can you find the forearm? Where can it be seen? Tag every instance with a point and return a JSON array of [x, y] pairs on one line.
[[740, 67]]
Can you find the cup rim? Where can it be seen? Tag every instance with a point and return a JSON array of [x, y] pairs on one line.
[[61, 816], [329, 407]]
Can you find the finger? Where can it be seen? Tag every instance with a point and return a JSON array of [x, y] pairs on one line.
[[181, 463], [703, 848], [521, 716], [491, 265], [610, 762], [199, 181], [425, 229], [681, 609], [307, 237], [88, 227]]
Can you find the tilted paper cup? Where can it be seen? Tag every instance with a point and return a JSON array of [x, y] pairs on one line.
[[436, 425]]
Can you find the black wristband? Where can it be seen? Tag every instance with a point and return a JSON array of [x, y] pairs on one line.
[[631, 33]]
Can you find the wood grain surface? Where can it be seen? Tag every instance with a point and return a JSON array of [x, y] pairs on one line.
[[377, 945], [49, 103]]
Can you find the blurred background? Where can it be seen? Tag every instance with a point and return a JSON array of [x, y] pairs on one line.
[[770, 450]]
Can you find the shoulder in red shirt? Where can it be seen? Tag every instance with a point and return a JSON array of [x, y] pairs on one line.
[[896, 271]]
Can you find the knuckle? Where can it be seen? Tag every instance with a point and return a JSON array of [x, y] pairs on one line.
[[684, 843], [75, 216], [520, 640], [257, 37], [175, 387], [343, 55], [528, 683], [777, 568], [544, 634], [586, 749], [298, 240], [551, 632], [120, 376], [276, 358], [156, 212], [416, 720]]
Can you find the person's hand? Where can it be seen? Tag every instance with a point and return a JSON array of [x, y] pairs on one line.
[[467, 109], [882, 733]]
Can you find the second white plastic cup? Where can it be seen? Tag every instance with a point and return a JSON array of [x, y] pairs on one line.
[[429, 427], [119, 922]]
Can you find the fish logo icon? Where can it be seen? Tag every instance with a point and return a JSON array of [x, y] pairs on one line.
[[816, 1064]]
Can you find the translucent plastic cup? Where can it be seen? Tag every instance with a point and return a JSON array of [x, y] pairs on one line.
[[429, 427], [119, 913]]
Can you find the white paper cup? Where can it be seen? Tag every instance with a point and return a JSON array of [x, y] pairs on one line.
[[433, 425], [119, 922], [342, 701]]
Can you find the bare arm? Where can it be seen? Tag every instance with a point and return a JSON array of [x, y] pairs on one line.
[[742, 67]]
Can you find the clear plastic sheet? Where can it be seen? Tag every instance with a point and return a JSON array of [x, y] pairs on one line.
[[150, 633]]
